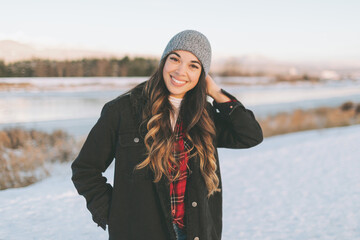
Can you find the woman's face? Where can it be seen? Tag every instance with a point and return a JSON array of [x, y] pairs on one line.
[[181, 72]]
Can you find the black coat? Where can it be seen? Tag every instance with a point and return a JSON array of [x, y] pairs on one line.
[[134, 207]]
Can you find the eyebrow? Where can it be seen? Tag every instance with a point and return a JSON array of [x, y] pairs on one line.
[[193, 61]]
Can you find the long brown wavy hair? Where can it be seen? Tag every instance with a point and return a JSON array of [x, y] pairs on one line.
[[197, 124]]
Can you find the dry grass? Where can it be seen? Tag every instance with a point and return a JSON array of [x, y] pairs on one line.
[[300, 120], [11, 86], [25, 153]]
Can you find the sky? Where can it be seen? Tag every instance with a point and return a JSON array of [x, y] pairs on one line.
[[279, 29]]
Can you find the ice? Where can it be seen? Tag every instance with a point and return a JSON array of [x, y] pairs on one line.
[[79, 101]]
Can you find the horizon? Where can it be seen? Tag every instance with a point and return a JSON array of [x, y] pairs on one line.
[[299, 31], [63, 53]]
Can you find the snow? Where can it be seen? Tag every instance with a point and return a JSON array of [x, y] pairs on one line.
[[66, 84], [297, 186]]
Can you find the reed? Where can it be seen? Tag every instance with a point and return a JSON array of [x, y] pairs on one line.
[[300, 120]]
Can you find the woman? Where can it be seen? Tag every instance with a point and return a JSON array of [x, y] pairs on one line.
[[164, 136]]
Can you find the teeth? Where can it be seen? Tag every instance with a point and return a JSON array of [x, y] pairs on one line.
[[177, 81]]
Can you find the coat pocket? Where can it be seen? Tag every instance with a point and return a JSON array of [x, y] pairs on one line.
[[130, 139], [132, 151]]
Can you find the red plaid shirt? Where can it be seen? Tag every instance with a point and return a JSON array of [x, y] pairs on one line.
[[178, 187]]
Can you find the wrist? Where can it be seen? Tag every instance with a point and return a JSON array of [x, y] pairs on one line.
[[214, 91], [218, 96]]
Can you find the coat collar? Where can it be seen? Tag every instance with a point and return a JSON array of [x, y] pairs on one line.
[[138, 101]]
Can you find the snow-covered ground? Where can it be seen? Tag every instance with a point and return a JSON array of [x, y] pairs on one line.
[[300, 186]]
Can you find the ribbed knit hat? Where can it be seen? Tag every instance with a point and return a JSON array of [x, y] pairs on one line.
[[194, 42]]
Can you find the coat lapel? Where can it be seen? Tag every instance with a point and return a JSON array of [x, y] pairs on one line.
[[163, 192]]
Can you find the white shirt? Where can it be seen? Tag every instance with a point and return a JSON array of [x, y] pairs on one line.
[[175, 102]]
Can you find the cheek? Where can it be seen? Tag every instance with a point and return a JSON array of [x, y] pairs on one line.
[[163, 72], [169, 67], [165, 69], [195, 77]]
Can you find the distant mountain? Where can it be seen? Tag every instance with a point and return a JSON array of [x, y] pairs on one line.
[[11, 51]]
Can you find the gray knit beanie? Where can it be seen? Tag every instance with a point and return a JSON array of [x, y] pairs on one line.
[[194, 42]]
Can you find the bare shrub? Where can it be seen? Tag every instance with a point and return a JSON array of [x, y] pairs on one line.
[[347, 106], [357, 108], [300, 120], [5, 141], [24, 154]]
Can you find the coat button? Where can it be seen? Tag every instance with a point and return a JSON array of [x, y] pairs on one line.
[[136, 139], [194, 204], [196, 238]]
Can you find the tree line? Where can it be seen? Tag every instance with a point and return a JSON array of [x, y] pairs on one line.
[[113, 67], [80, 68]]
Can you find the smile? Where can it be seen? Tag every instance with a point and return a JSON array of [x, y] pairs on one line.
[[177, 83]]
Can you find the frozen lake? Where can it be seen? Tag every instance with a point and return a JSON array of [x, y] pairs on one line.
[[74, 104]]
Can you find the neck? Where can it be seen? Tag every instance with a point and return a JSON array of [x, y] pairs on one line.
[[176, 103]]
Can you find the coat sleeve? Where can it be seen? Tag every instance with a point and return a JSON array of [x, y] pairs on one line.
[[236, 126], [94, 158]]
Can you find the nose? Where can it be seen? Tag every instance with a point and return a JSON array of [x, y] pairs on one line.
[[181, 69]]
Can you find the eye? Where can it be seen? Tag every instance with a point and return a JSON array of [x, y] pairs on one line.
[[174, 59], [194, 66]]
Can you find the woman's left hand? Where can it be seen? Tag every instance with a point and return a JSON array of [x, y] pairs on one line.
[[214, 91]]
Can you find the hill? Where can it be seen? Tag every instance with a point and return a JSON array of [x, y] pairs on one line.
[[12, 51]]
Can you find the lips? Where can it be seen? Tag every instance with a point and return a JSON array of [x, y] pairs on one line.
[[176, 82]]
